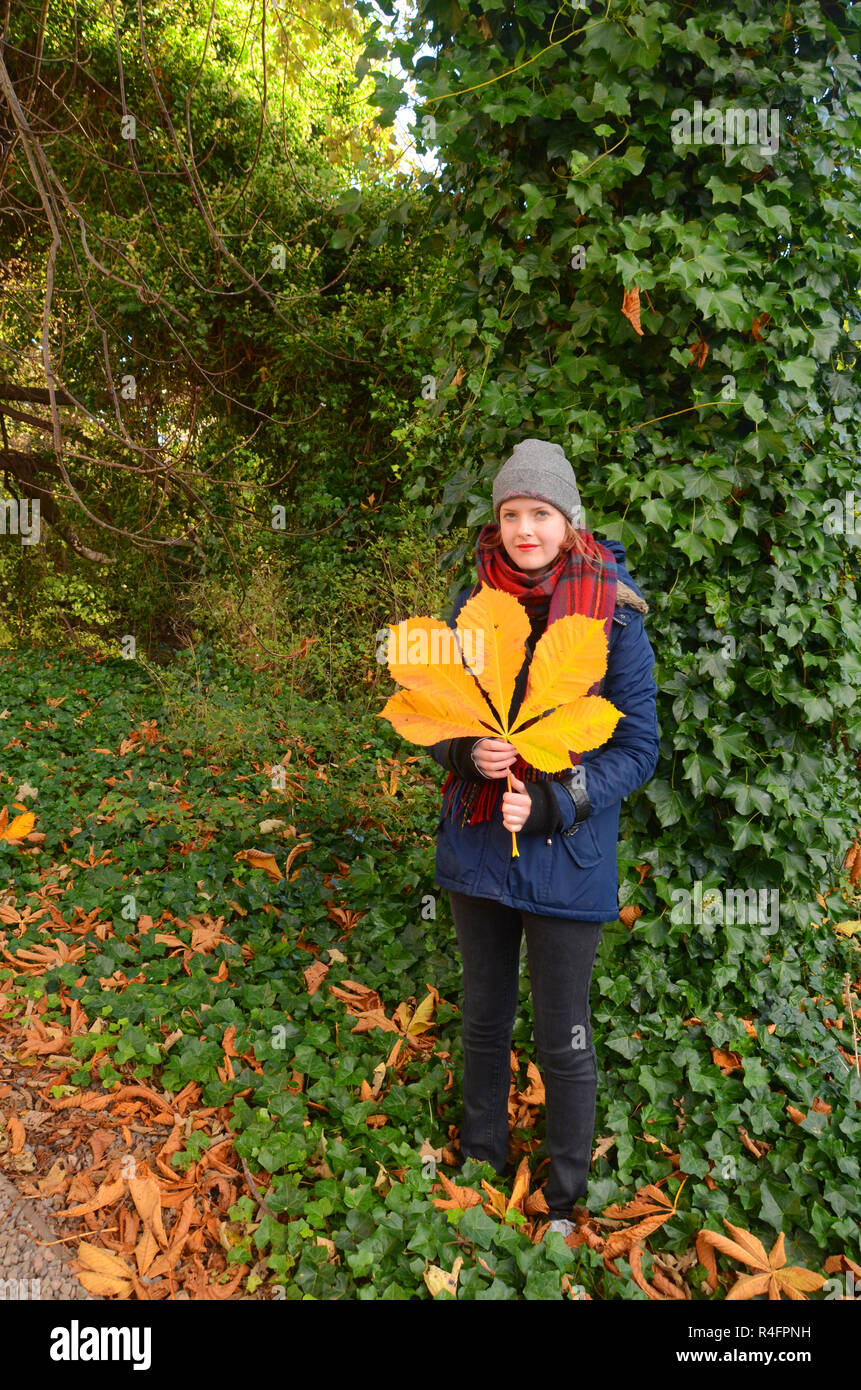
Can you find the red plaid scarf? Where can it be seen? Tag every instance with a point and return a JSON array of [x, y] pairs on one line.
[[572, 584]]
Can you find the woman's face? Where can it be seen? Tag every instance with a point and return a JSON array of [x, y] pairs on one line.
[[532, 531]]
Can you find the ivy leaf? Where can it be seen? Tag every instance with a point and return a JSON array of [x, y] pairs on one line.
[[754, 407], [723, 192], [666, 801], [771, 214], [693, 546], [801, 370]]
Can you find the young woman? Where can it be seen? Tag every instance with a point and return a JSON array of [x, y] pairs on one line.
[[563, 885]]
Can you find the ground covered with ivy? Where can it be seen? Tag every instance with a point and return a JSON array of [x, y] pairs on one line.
[[254, 981]]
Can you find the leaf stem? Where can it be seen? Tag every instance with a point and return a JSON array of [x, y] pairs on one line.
[[515, 852]]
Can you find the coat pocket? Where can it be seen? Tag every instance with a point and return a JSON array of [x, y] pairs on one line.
[[583, 845], [460, 850]]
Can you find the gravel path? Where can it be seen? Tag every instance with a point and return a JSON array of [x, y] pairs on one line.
[[38, 1271]]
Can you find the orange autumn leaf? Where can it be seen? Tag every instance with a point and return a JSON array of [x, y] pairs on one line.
[[727, 1061], [501, 629], [18, 828], [852, 862], [536, 1204], [356, 996], [458, 1198], [423, 656], [757, 1147], [699, 352], [102, 1273], [497, 1205], [297, 849], [838, 1264], [146, 1196], [166, 939], [374, 1018], [631, 309], [662, 1289], [648, 1199], [750, 1027], [45, 957], [534, 1093], [315, 974], [258, 859], [651, 1207], [206, 934], [108, 1193], [443, 696], [773, 1275], [18, 1133], [365, 1004], [520, 1188]]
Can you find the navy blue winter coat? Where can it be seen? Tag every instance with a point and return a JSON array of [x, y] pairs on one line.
[[573, 875]]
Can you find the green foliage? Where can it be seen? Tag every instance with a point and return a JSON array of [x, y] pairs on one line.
[[159, 824], [718, 471], [262, 277], [318, 619], [553, 132]]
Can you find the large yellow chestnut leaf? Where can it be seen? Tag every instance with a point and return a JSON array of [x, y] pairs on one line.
[[426, 716], [569, 657], [443, 697], [423, 655], [577, 727], [504, 628]]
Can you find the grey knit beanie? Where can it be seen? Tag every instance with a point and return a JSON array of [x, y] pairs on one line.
[[539, 469]]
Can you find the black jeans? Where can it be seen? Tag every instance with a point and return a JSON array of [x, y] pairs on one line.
[[561, 955]]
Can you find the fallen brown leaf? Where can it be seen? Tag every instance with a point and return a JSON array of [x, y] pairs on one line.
[[315, 974], [103, 1273], [258, 859]]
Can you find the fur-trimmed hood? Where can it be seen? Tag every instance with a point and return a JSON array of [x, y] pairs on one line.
[[626, 595]]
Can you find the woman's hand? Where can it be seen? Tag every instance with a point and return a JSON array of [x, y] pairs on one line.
[[493, 756], [516, 806]]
